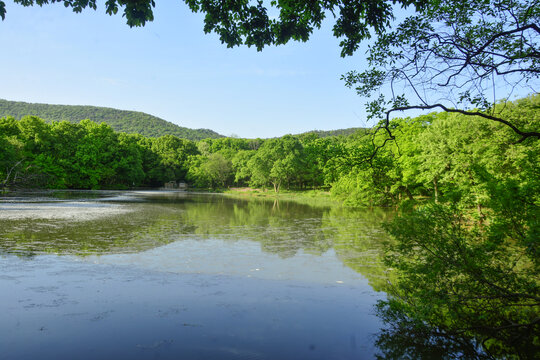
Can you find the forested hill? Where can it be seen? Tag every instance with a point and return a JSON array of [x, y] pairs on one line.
[[119, 120], [338, 132]]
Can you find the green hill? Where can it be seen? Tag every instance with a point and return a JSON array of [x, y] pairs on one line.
[[338, 132], [119, 120]]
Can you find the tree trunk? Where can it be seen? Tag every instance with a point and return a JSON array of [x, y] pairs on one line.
[[436, 189], [480, 214], [408, 192]]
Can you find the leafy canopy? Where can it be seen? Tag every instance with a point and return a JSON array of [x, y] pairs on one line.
[[253, 23], [458, 57]]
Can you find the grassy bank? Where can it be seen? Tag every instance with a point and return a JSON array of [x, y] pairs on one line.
[[310, 197]]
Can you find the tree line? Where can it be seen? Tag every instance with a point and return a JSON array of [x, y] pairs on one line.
[[440, 155], [86, 155]]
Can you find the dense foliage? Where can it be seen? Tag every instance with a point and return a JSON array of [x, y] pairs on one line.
[[119, 120], [443, 156], [86, 155], [63, 154], [464, 265], [258, 23], [338, 132]]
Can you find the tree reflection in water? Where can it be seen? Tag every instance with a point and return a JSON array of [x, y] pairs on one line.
[[285, 228], [462, 287], [406, 338]]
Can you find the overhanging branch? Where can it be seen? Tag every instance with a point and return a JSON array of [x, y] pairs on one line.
[[524, 134]]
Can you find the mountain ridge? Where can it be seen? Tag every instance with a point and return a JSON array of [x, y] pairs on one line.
[[120, 120], [128, 121]]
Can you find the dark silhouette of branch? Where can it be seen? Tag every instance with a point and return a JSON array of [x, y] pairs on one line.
[[390, 137], [524, 134]]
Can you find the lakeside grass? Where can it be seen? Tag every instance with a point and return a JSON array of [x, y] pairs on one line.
[[309, 197]]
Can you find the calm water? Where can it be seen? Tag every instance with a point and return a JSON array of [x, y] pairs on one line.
[[168, 275]]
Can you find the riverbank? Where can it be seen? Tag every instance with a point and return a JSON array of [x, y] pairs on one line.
[[310, 197]]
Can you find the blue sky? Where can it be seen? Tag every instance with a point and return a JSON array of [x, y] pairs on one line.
[[171, 69]]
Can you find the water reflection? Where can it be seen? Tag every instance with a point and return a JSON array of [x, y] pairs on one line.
[[205, 277], [337, 251], [407, 338], [173, 227], [358, 237]]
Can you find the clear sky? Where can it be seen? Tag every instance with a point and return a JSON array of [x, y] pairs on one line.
[[172, 70]]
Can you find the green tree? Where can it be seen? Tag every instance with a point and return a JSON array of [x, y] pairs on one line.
[[8, 126], [277, 161], [240, 161], [407, 147], [129, 170], [95, 157], [227, 143], [35, 134], [317, 152], [460, 278], [171, 161], [11, 158], [460, 57], [365, 180], [38, 165], [219, 169], [66, 137], [452, 151], [248, 22]]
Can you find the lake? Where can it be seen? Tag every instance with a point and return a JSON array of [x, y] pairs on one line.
[[175, 275]]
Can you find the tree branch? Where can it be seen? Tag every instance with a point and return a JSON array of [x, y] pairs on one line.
[[524, 134]]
